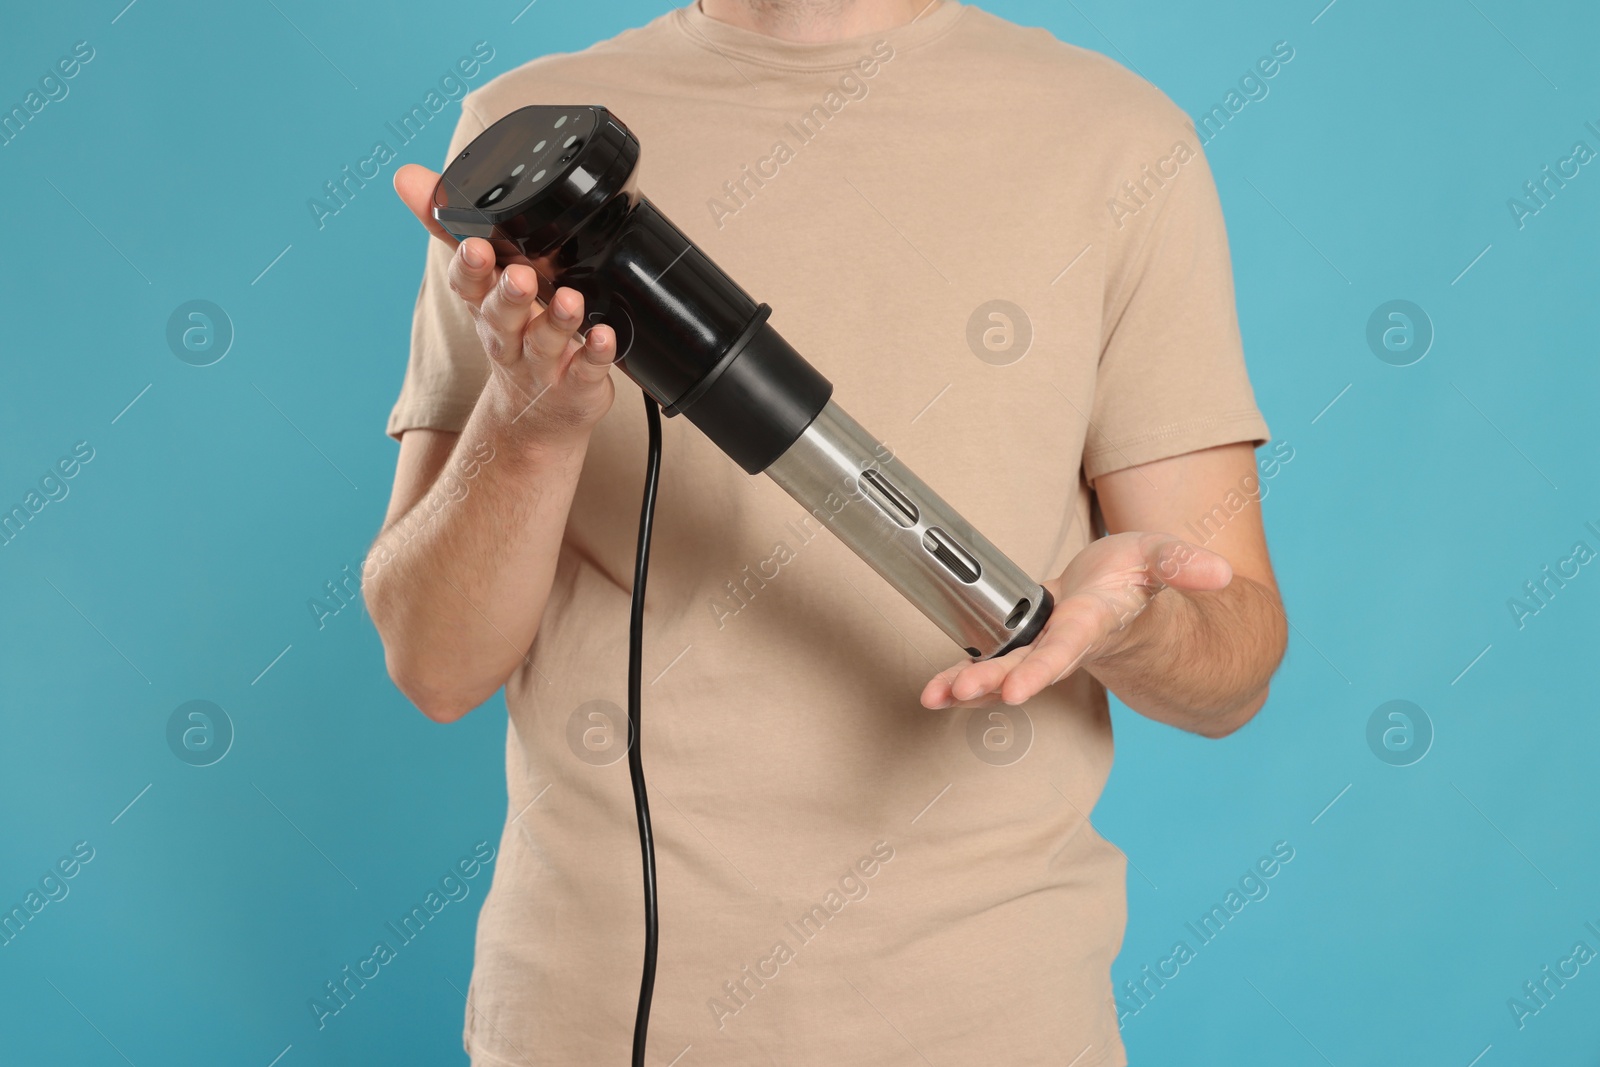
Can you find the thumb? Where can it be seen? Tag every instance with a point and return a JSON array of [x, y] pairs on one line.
[[1177, 563], [415, 183]]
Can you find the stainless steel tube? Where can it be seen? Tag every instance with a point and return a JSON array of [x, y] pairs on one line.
[[889, 517]]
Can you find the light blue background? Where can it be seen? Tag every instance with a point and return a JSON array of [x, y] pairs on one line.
[[1378, 168]]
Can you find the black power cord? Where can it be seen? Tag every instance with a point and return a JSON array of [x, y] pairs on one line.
[[641, 802]]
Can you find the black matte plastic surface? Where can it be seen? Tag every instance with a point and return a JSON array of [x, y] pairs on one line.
[[686, 332], [762, 402]]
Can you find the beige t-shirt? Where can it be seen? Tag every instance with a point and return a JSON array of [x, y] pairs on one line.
[[845, 877]]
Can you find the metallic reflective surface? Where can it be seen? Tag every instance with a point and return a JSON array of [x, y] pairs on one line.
[[897, 524]]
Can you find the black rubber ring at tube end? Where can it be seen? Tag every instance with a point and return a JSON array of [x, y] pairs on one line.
[[1025, 636], [762, 398]]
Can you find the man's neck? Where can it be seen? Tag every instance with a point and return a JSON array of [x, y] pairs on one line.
[[812, 21]]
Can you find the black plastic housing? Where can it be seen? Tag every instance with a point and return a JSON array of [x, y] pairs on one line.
[[555, 187]]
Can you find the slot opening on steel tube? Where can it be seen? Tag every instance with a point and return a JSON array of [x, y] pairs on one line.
[[956, 559], [884, 493]]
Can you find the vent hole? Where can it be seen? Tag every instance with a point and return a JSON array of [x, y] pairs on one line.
[[956, 559], [889, 498]]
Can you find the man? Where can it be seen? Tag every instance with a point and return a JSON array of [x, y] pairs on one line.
[[849, 875]]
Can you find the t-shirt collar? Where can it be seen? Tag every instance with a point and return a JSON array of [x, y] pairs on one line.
[[748, 46]]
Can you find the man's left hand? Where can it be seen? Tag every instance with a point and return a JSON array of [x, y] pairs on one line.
[[1103, 590]]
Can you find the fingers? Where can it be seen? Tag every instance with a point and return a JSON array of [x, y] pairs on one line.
[[1080, 626], [511, 325], [591, 364], [547, 336], [473, 276], [970, 684], [547, 342], [1075, 630], [414, 184], [503, 310], [936, 694], [982, 679]]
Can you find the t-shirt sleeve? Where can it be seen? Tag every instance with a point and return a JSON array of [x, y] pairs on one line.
[[447, 368], [1171, 377]]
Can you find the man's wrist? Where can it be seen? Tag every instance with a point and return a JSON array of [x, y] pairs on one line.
[[512, 417], [1139, 632]]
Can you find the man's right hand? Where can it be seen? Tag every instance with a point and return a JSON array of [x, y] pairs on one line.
[[458, 579], [556, 383]]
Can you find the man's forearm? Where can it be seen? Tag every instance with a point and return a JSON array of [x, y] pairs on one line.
[[1200, 661], [457, 585]]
